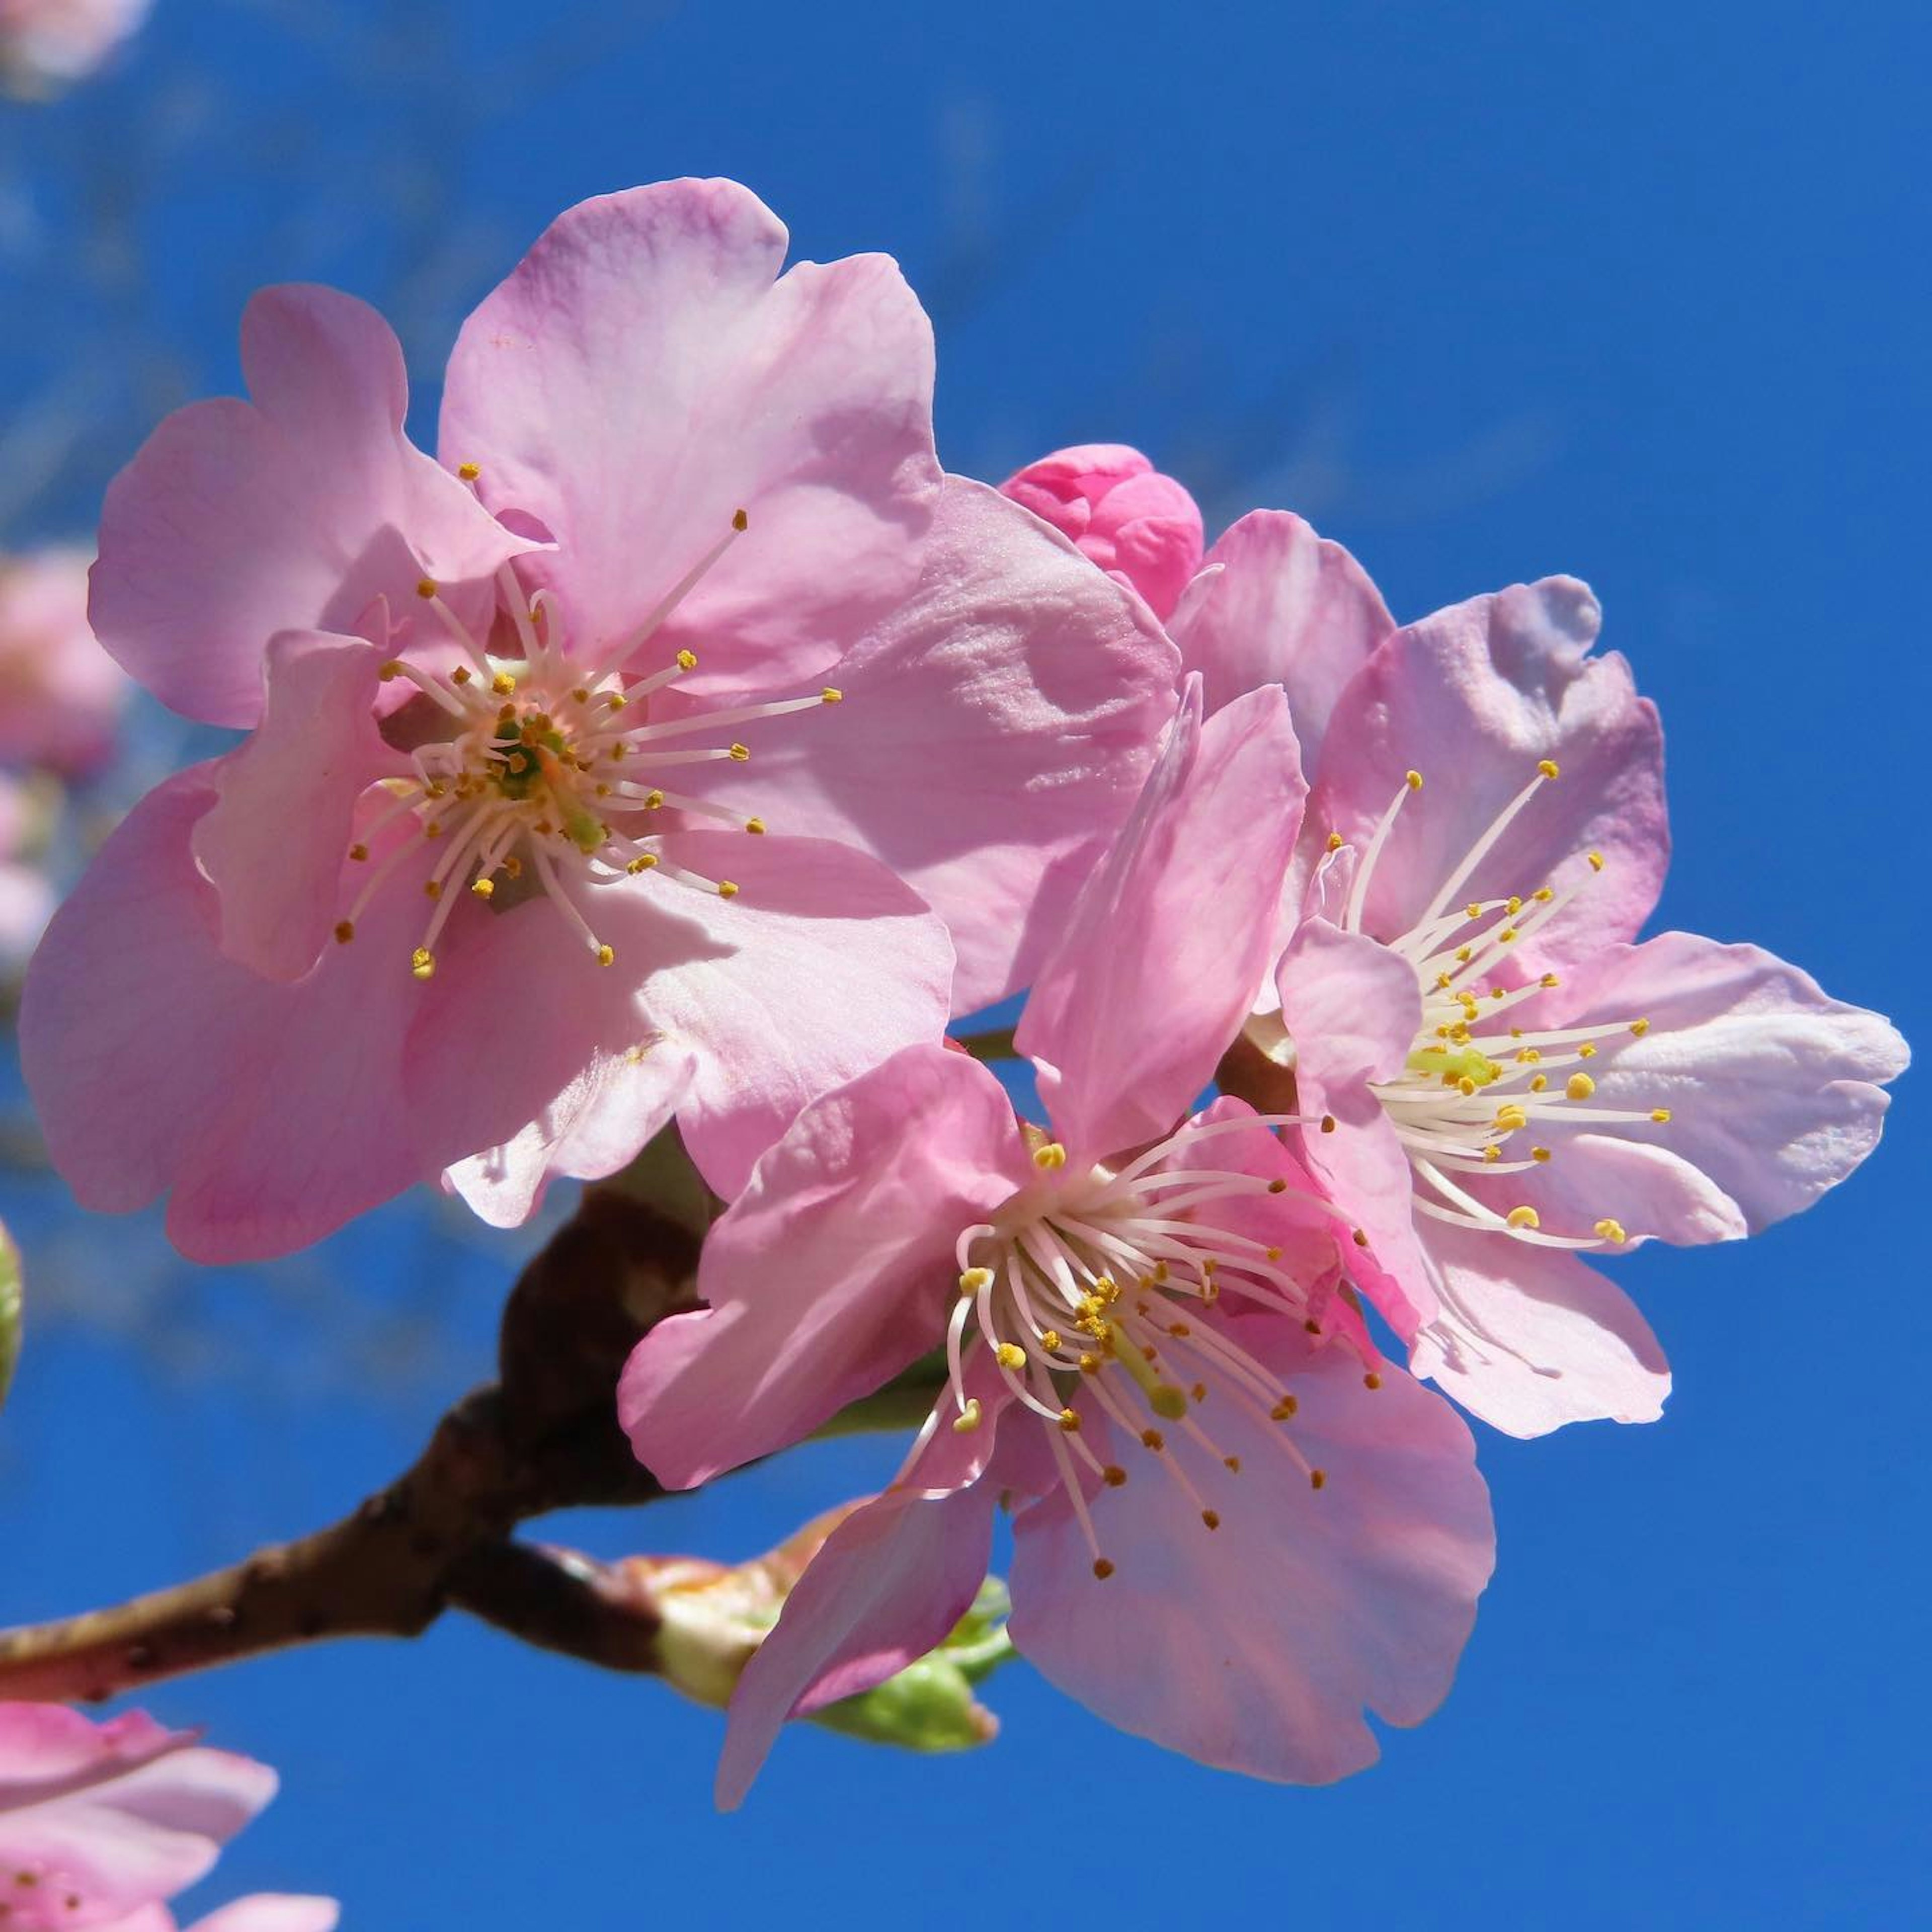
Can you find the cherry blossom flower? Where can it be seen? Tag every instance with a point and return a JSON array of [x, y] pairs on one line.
[[1138, 525], [100, 1823], [60, 695], [45, 45], [477, 896], [1520, 1082], [1235, 1526]]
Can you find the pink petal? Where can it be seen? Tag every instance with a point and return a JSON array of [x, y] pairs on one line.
[[1771, 1084], [1473, 698], [833, 1271], [269, 1912], [273, 843], [296, 512], [646, 373], [1141, 527], [821, 967], [889, 1586], [1278, 605], [65, 694], [1169, 940], [114, 1817], [996, 726], [1531, 1338], [1352, 1009], [1254, 1646]]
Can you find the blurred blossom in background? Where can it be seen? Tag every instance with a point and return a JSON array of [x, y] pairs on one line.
[[1484, 294]]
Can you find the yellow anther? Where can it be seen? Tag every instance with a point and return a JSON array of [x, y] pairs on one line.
[[1511, 1117], [1413, 780], [468, 472], [1372, 1380], [652, 800], [1539, 1153], [642, 863], [581, 695], [1547, 766], [1639, 1027], [1661, 1115], [1050, 1340], [460, 675], [1152, 1438], [1327, 1123], [1334, 841], [687, 660], [740, 521], [432, 888], [426, 587], [728, 888], [1524, 1217], [484, 889], [1526, 1056], [975, 1278], [1586, 1051], [1009, 1355], [1103, 1568], [513, 867], [969, 1418], [756, 825], [422, 963], [1213, 1521], [1608, 1230], [1472, 910], [615, 700], [1232, 1464], [1277, 1187], [502, 684], [1579, 1087], [1069, 1421], [1492, 1153], [1113, 1476], [831, 694], [1514, 906], [1466, 1087], [605, 956], [1359, 1238], [1443, 980], [1541, 1080], [358, 851], [389, 673], [1089, 1365], [1465, 954], [1051, 1155], [345, 931], [1284, 1410], [1549, 980], [1543, 895], [1272, 1254], [1318, 1479], [1596, 861], [739, 753]]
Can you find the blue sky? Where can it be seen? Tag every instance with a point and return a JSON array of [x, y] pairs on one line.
[[1487, 292]]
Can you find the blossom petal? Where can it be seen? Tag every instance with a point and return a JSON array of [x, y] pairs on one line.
[[1531, 1338], [1169, 940], [1278, 605], [1254, 1645], [645, 373], [115, 1816], [996, 725], [273, 1912], [294, 512], [831, 1272], [821, 966], [273, 843], [1474, 698]]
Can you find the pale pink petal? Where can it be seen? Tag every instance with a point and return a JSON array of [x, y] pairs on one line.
[[1169, 940], [1352, 1010], [995, 727], [1141, 527], [645, 373], [269, 1912], [65, 694], [1770, 1084], [1531, 1338], [889, 1586], [1254, 1645], [112, 1817], [1474, 698], [273, 843], [294, 512], [833, 1271], [1278, 605], [823, 965]]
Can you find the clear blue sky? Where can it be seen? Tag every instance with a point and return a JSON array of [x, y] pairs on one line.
[[1634, 292]]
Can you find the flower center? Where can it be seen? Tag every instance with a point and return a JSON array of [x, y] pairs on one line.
[[1096, 1285], [1480, 1087], [546, 772]]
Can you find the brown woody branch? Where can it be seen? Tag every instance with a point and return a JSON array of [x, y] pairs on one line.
[[544, 1437]]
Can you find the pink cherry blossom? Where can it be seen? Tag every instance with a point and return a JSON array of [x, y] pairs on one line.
[[1138, 525], [26, 893], [100, 1823], [1148, 1347], [1517, 1080], [477, 897], [60, 695], [47, 44]]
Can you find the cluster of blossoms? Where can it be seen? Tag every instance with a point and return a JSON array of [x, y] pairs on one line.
[[683, 743]]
